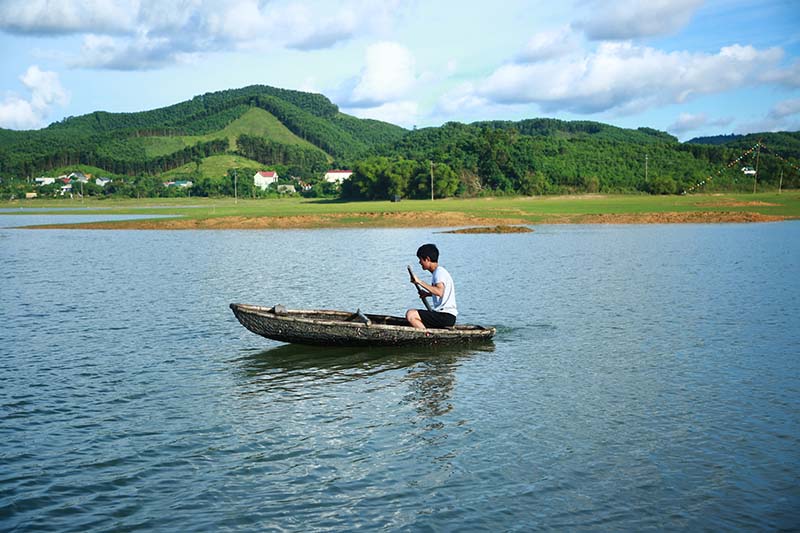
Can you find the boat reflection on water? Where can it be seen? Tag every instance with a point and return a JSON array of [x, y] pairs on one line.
[[349, 362], [356, 378]]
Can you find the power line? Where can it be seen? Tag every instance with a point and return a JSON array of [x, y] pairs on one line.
[[757, 146]]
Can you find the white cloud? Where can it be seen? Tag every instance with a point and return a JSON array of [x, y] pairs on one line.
[[631, 19], [237, 21], [382, 89], [784, 116], [18, 114], [785, 108], [312, 32], [45, 87], [788, 77], [403, 113], [145, 34], [463, 98], [690, 122], [46, 91], [67, 16], [141, 52], [769, 123], [388, 75], [550, 45], [627, 78]]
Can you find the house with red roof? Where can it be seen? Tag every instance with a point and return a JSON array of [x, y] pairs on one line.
[[263, 178]]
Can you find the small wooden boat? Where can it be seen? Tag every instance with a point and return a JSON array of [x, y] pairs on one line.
[[343, 328]]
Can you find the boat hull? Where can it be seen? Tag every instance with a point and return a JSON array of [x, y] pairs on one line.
[[341, 328]]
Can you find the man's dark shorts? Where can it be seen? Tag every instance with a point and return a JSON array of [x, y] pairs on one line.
[[434, 319]]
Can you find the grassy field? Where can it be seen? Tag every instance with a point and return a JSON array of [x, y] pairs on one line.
[[516, 210], [215, 166], [255, 122]]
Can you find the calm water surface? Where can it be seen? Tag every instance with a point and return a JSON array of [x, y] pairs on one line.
[[643, 377]]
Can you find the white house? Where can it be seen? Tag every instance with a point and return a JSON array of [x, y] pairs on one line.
[[263, 178], [748, 171], [102, 181], [180, 183], [44, 180], [79, 177], [337, 176]]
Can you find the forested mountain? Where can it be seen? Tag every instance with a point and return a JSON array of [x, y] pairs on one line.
[[544, 156], [785, 143], [303, 134], [715, 140], [113, 141]]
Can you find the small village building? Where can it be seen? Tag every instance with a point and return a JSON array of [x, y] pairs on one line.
[[31, 195], [44, 180], [180, 183], [102, 181], [79, 177], [337, 176], [264, 178], [749, 171], [284, 189]]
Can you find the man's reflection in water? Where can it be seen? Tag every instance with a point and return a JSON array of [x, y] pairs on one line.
[[431, 385]]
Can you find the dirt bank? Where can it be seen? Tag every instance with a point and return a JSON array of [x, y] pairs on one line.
[[420, 220], [348, 220], [671, 217], [493, 229], [734, 203]]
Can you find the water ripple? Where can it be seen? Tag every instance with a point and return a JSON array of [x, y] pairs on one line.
[[641, 378]]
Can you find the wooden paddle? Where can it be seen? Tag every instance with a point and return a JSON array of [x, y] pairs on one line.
[[419, 288]]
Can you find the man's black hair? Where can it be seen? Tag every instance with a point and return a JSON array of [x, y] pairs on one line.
[[430, 251]]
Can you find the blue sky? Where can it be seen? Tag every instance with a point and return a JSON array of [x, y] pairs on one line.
[[690, 67]]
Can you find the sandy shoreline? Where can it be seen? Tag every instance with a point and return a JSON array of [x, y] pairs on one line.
[[416, 220]]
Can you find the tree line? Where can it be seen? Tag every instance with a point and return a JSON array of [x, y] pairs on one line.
[[533, 156]]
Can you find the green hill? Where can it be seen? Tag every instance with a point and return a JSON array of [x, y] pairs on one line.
[[784, 143], [297, 126]]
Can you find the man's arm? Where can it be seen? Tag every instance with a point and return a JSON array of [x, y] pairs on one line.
[[436, 290]]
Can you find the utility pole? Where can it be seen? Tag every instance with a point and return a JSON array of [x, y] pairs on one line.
[[755, 176], [645, 167], [431, 180], [235, 185], [780, 183]]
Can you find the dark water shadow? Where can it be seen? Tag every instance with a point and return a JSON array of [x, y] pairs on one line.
[[357, 361], [298, 372]]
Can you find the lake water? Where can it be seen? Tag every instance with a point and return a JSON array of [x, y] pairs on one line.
[[642, 377]]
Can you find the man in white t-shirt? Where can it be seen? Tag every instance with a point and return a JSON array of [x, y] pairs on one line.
[[441, 288]]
